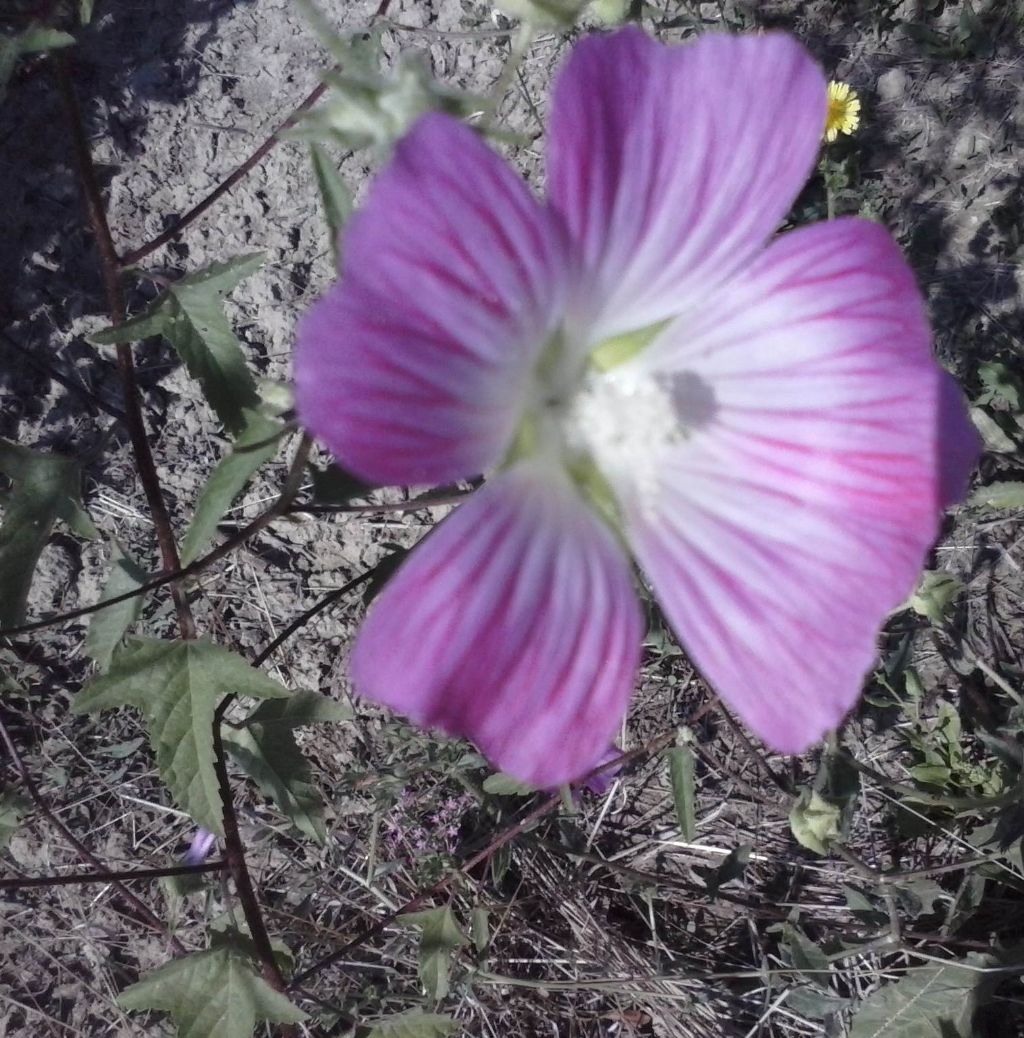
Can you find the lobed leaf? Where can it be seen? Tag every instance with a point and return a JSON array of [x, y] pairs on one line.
[[440, 936], [212, 994], [178, 685], [190, 316]]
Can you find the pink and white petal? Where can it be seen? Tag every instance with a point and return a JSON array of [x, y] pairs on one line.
[[516, 625], [788, 526], [672, 165], [413, 367]]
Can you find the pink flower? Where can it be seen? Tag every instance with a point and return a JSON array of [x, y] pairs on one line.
[[641, 367]]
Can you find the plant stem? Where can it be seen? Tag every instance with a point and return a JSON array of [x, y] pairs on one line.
[[110, 876]]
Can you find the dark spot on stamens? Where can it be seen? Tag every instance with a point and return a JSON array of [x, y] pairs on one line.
[[693, 398]]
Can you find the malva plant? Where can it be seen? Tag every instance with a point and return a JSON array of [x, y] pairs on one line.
[[640, 369]]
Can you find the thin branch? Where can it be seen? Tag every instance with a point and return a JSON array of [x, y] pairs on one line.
[[416, 504], [125, 364], [140, 910], [279, 508], [225, 185], [111, 876]]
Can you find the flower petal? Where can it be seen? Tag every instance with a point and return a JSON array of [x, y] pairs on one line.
[[788, 526], [516, 625], [673, 165], [413, 367]]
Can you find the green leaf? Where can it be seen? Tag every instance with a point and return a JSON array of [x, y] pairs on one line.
[[501, 785], [610, 12], [816, 822], [211, 994], [108, 626], [995, 436], [733, 866], [40, 38], [190, 316], [440, 936], [681, 771], [85, 9], [46, 487], [414, 1025], [1008, 494], [544, 14], [271, 757], [334, 194], [927, 1002], [258, 442], [178, 685], [13, 806], [299, 709], [935, 595], [334, 486]]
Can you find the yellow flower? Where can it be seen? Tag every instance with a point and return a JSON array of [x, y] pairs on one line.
[[843, 110]]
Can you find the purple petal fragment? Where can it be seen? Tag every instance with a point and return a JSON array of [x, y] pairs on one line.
[[201, 847], [673, 165], [516, 624], [787, 529], [413, 367]]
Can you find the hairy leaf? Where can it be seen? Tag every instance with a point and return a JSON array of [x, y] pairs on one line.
[[414, 1025], [190, 316], [1008, 494], [334, 194], [816, 822], [299, 709], [212, 994], [108, 626], [45, 488], [178, 685], [927, 1002], [440, 936], [257, 443]]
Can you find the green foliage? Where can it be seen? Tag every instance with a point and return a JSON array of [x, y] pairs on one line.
[[942, 761], [265, 749], [935, 595], [440, 936], [212, 994], [927, 1002], [13, 806], [822, 812], [178, 685], [501, 785], [45, 488], [366, 107], [1007, 494], [32, 40], [108, 626], [681, 772], [334, 194], [255, 445], [190, 316], [545, 14], [413, 1025], [609, 12]]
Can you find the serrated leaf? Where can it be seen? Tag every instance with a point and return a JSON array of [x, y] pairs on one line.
[[178, 685], [927, 1002], [45, 488], [190, 316], [1008, 494], [1001, 384], [211, 994], [681, 771], [13, 807], [935, 595], [271, 757], [440, 936], [816, 822], [255, 445], [108, 626], [414, 1025], [501, 785], [334, 196]]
